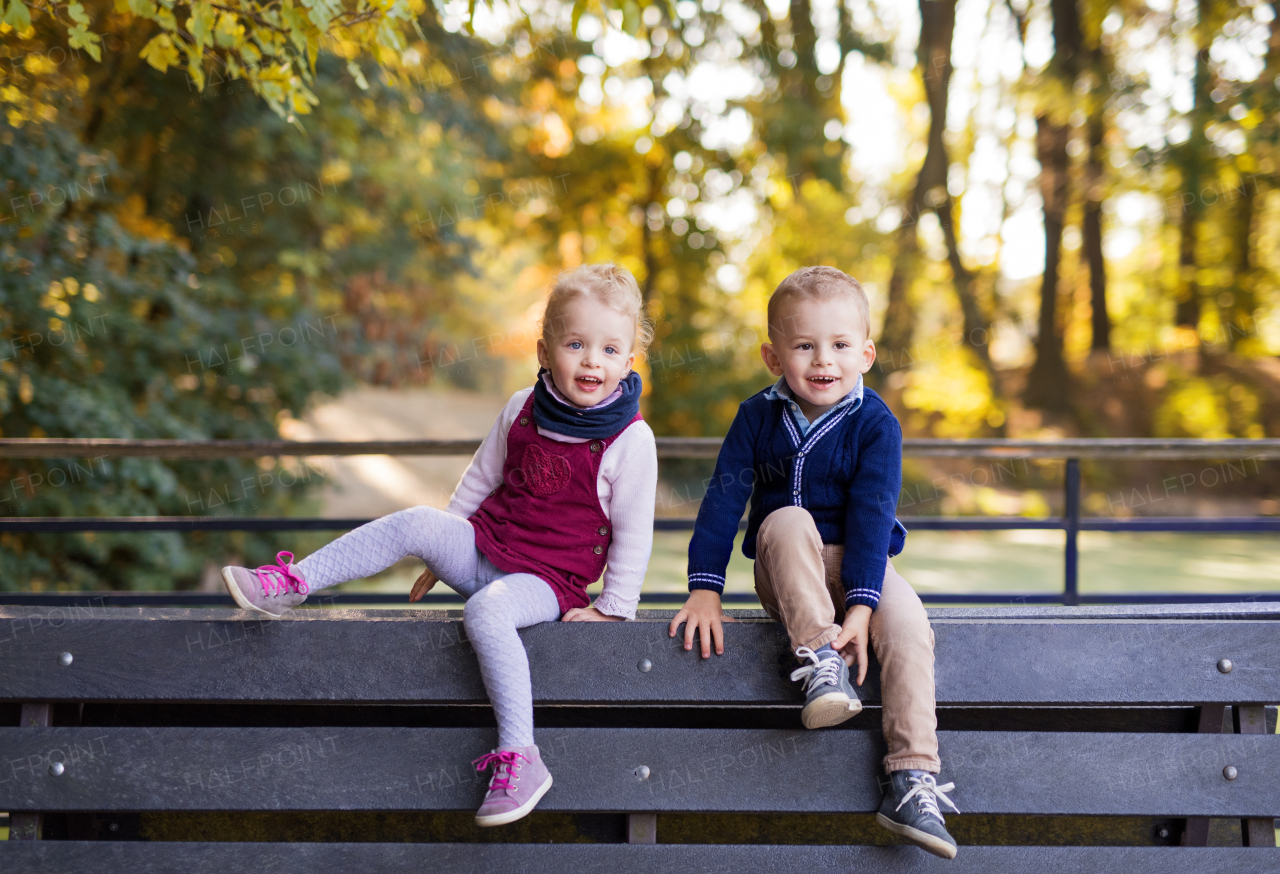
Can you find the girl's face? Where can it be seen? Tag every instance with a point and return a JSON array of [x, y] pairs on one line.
[[590, 351]]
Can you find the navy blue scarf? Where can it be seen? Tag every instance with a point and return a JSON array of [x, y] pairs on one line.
[[556, 416]]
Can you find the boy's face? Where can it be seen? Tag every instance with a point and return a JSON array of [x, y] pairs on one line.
[[821, 347]]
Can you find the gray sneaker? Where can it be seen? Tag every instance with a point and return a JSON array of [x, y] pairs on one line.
[[831, 698], [910, 809], [270, 589]]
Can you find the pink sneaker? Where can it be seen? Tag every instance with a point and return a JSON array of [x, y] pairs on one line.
[[518, 783], [271, 589]]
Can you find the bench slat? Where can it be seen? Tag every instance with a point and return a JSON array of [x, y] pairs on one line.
[[595, 769], [65, 857], [330, 656]]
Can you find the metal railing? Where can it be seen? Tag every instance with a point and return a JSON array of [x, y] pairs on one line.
[[1071, 451]]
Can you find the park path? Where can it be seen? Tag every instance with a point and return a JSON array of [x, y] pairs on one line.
[[374, 485]]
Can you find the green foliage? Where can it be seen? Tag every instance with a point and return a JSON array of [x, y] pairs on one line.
[[210, 294], [108, 330], [1213, 408]]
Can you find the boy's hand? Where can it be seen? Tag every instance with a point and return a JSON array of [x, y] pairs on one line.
[[852, 641], [423, 585], [702, 612], [588, 614]]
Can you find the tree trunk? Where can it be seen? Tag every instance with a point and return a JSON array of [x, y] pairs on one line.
[[1194, 154], [646, 235], [977, 327], [653, 195], [1091, 230], [1272, 67], [937, 29], [793, 125], [1236, 316], [1047, 383], [1187, 311], [937, 26], [893, 351]]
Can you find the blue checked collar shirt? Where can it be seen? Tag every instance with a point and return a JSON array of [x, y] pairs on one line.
[[781, 391]]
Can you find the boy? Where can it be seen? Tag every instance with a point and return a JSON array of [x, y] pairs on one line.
[[820, 457]]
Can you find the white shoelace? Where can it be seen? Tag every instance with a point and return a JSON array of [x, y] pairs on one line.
[[929, 791], [820, 672]]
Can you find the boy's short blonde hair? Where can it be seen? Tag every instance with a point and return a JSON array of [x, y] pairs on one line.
[[822, 283], [612, 285]]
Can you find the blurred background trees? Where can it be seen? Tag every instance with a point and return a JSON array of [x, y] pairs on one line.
[[1065, 213]]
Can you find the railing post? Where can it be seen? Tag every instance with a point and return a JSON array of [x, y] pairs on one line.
[[1071, 522], [26, 825]]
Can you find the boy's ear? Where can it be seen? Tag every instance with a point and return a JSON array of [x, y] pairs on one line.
[[771, 359], [868, 355]]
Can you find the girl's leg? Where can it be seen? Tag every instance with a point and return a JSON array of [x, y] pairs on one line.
[[492, 617], [444, 541]]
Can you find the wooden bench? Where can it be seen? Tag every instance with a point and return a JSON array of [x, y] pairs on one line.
[[1080, 739]]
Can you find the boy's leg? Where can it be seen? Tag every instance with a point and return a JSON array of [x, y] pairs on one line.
[[903, 644], [793, 583], [444, 541], [791, 579], [493, 617], [914, 803]]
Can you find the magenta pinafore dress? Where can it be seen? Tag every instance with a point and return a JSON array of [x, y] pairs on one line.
[[545, 518]]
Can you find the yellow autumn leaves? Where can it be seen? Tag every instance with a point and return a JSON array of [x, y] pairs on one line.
[[273, 46]]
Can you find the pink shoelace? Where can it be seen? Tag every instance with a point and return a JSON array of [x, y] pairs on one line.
[[499, 760], [281, 577]]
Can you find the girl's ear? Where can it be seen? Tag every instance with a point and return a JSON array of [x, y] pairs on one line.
[[544, 358]]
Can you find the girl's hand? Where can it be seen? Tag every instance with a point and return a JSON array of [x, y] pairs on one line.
[[423, 585], [588, 614]]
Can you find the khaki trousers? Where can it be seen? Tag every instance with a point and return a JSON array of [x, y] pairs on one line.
[[798, 582]]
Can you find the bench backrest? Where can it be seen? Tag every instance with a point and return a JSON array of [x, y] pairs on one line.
[[1095, 712]]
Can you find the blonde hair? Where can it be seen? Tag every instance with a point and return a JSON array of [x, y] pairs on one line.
[[612, 285], [822, 283]]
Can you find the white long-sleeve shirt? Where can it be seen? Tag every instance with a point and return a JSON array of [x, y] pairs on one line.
[[627, 486]]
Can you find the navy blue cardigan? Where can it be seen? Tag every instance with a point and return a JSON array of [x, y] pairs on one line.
[[847, 472]]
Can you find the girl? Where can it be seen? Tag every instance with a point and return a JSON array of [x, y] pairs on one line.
[[563, 485]]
